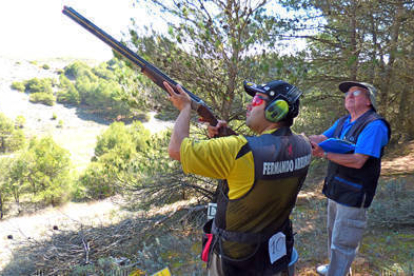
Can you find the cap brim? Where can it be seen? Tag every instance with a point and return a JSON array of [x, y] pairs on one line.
[[344, 86], [252, 88]]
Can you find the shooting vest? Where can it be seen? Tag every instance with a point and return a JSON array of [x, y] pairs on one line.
[[349, 186], [243, 226]]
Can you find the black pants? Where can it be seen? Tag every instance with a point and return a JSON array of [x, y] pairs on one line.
[[216, 269]]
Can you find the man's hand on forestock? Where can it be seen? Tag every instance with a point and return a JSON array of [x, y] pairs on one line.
[[181, 99], [182, 102], [317, 138], [317, 150]]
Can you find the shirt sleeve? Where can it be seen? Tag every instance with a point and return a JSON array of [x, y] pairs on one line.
[[330, 131], [372, 139], [213, 158]]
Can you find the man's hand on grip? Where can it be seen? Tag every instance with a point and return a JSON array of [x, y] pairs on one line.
[[213, 131]]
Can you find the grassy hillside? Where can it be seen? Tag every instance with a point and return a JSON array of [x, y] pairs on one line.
[[126, 233]]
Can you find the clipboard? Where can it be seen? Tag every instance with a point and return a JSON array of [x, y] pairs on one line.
[[337, 145]]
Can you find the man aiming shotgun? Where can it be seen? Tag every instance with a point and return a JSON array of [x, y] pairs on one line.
[[251, 233]]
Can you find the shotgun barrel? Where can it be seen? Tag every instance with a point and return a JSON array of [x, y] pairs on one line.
[[146, 67]]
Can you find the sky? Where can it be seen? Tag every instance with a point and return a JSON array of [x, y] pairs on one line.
[[37, 29]]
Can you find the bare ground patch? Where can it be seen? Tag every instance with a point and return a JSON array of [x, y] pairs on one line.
[[102, 235], [400, 160]]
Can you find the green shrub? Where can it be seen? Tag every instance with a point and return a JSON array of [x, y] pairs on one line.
[[46, 67], [16, 141], [70, 96], [140, 136], [99, 180], [20, 121], [68, 93], [87, 89], [54, 82], [115, 137], [19, 86], [103, 89], [103, 71], [11, 139], [54, 116], [60, 124], [5, 191], [64, 82], [79, 69], [39, 85], [161, 178], [44, 98], [115, 149], [49, 172], [41, 174], [133, 139]]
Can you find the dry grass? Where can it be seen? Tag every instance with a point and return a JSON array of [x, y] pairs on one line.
[[38, 228], [90, 234], [105, 238]]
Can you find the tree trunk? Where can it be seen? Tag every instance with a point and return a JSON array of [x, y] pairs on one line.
[[17, 199], [373, 55], [406, 126], [389, 72], [354, 42], [229, 97], [1, 206], [2, 145]]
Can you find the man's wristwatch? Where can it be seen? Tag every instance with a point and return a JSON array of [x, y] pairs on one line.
[[325, 155]]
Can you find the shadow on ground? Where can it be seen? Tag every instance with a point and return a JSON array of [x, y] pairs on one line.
[[145, 244]]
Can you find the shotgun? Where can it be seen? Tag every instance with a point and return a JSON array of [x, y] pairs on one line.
[[147, 68]]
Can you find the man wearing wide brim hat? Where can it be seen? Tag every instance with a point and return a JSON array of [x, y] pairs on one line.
[[352, 176]]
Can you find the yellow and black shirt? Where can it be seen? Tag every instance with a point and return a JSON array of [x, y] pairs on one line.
[[216, 158], [261, 183]]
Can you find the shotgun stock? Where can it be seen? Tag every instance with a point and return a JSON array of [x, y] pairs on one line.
[[147, 68]]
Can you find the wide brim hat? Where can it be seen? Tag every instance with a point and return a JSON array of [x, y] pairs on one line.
[[372, 91]]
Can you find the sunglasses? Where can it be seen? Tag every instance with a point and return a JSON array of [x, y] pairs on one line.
[[355, 93], [258, 100]]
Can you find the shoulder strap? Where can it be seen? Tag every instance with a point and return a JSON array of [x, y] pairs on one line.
[[339, 127], [361, 123], [244, 150], [283, 131]]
